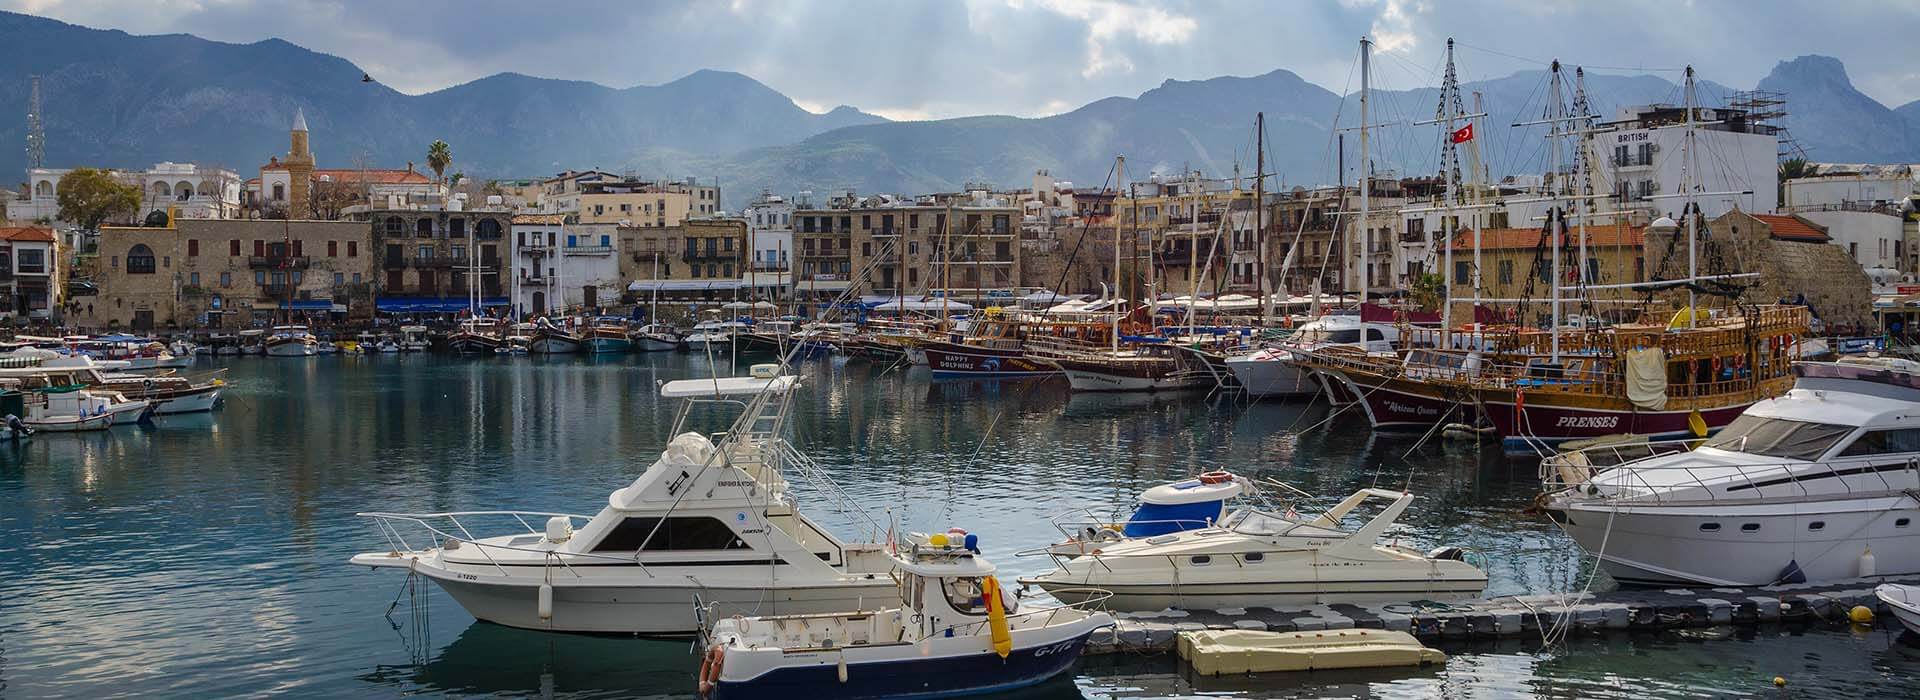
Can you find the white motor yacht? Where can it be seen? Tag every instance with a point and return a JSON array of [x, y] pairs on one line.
[[414, 339], [1904, 601], [710, 518], [956, 633], [1815, 485], [1260, 557], [1271, 371], [713, 334]]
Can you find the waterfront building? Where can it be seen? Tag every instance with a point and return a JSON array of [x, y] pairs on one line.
[[702, 259], [560, 194], [770, 244], [1514, 267], [558, 266], [184, 190], [227, 273], [1850, 186], [1641, 153], [908, 247], [1793, 256], [32, 276], [432, 255], [644, 203]]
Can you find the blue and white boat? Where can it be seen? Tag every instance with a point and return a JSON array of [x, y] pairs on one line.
[[1189, 504], [958, 633]]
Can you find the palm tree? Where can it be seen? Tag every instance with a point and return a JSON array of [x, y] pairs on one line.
[[439, 156], [1790, 168]]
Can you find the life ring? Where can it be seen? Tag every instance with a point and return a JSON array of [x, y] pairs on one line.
[[1216, 477], [710, 669]]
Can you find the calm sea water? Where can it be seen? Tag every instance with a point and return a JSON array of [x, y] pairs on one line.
[[206, 556]]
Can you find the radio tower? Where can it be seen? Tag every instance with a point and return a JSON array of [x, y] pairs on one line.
[[36, 131]]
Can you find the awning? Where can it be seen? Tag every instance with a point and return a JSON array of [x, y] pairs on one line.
[[430, 305], [310, 305]]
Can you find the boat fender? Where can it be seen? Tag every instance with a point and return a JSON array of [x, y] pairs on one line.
[[1108, 534], [972, 543], [843, 666], [546, 601], [1867, 564]]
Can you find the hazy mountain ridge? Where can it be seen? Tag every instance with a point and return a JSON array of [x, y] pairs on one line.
[[122, 100]]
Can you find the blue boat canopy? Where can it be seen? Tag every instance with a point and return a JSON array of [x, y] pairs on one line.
[[430, 305]]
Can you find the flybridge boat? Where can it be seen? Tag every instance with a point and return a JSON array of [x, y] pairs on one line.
[[713, 333], [656, 337], [1275, 370], [1818, 484], [291, 341], [957, 633], [1259, 557], [711, 518]]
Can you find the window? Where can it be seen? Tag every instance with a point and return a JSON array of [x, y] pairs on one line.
[[1880, 442], [457, 228], [333, 249], [606, 241], [1709, 527], [259, 249], [1460, 269], [964, 594], [394, 226], [1506, 272], [260, 277], [1201, 559], [193, 248], [1817, 525], [353, 249], [1593, 270], [1750, 527], [676, 533], [226, 280], [140, 260], [913, 221], [339, 278], [193, 279], [279, 192], [1254, 557], [424, 252], [423, 228], [33, 261], [233, 248], [713, 270], [1777, 437], [356, 278]]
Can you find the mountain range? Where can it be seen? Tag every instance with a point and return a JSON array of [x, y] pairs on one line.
[[121, 100]]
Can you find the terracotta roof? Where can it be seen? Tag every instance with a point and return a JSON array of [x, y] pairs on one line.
[[377, 176], [540, 219], [1602, 236], [27, 233], [1792, 228]]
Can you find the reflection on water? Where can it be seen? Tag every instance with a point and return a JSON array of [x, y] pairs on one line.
[[205, 555]]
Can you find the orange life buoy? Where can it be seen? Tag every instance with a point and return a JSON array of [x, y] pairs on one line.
[[710, 669], [1216, 477]]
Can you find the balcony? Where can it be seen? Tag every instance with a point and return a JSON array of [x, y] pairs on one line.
[[277, 262], [276, 290], [769, 267], [709, 255], [647, 256], [1636, 160], [533, 281], [432, 261], [589, 250], [393, 262]]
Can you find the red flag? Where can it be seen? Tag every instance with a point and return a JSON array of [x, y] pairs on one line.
[[1464, 134]]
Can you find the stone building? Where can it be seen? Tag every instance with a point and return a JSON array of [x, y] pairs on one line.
[[293, 186], [430, 257], [909, 248], [701, 260], [1792, 254], [1515, 264], [231, 274]]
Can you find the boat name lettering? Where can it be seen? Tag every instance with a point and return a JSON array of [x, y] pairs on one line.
[[465, 577], [754, 531], [1397, 407], [736, 483], [1057, 648], [1589, 422]]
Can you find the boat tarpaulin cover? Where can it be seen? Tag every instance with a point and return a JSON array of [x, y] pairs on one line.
[[1647, 378], [1152, 519]]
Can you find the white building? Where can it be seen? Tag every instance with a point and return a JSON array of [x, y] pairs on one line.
[[1877, 239], [1847, 185], [192, 191], [1644, 155], [559, 266], [770, 241]]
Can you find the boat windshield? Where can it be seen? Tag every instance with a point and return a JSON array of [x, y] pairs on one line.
[[1328, 335], [966, 595], [1778, 437]]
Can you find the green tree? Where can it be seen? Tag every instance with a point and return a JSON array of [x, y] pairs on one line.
[[439, 156], [90, 197], [1429, 291], [1790, 168]]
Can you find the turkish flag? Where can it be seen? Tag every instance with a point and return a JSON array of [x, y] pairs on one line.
[[1464, 134]]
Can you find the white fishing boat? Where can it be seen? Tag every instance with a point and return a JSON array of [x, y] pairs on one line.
[[1264, 557], [656, 337], [291, 341], [1815, 485], [414, 339], [386, 344], [958, 633], [68, 423], [712, 518], [1272, 371], [170, 394], [1904, 601]]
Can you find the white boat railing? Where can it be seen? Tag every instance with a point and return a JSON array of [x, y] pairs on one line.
[[1572, 475], [391, 525]]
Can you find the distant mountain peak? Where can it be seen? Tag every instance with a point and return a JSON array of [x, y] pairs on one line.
[[1812, 69]]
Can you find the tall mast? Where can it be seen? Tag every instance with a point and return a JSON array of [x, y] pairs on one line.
[[1473, 164], [1687, 166], [1366, 230], [1121, 166], [1193, 248], [1259, 206], [1449, 113], [1556, 115], [1583, 164]]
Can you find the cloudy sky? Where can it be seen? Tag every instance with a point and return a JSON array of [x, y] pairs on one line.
[[910, 59]]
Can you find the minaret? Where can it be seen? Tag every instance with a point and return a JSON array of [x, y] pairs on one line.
[[299, 164]]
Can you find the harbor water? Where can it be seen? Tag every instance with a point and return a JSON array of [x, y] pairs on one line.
[[205, 556]]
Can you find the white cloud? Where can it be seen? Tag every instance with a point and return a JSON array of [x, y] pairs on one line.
[[1108, 20]]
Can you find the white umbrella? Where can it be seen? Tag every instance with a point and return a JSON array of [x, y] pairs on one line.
[[764, 305], [736, 305]]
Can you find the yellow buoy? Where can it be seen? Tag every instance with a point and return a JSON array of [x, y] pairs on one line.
[[938, 540], [1861, 614], [1779, 682]]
